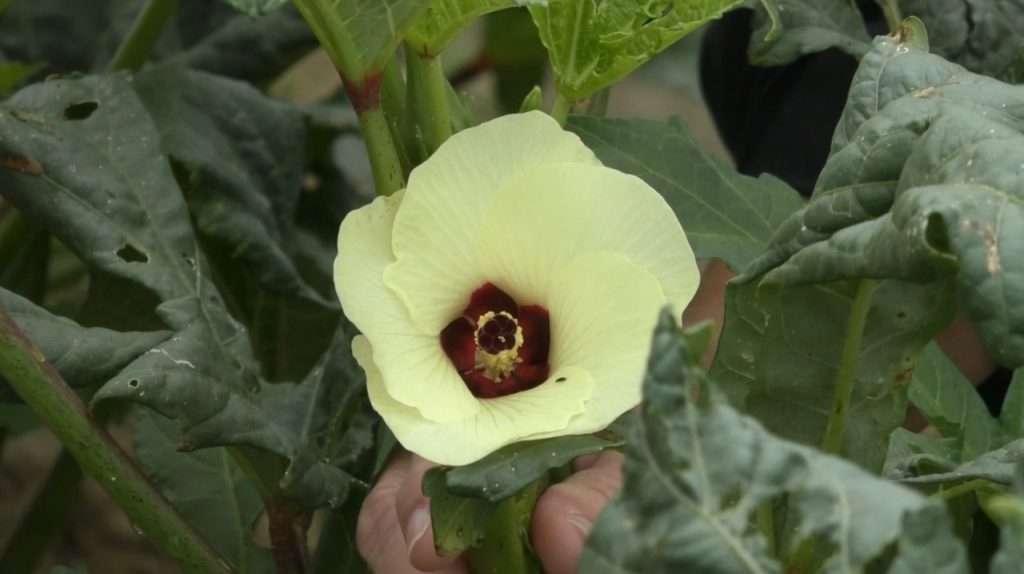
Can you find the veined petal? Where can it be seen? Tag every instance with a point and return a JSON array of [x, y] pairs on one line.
[[437, 231], [602, 318], [419, 373], [547, 409], [552, 214]]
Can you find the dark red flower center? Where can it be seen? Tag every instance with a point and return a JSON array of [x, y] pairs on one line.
[[498, 346]]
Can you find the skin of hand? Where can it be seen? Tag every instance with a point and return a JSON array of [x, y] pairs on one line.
[[394, 533]]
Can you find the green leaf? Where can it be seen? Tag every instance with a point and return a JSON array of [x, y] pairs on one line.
[[1009, 511], [99, 182], [209, 491], [928, 546], [806, 27], [431, 32], [506, 471], [595, 44], [913, 454], [1012, 415], [996, 466], [459, 523], [245, 157], [84, 357], [923, 182], [25, 251], [257, 50], [726, 215], [696, 472], [361, 35], [951, 403], [779, 355], [335, 430], [257, 7]]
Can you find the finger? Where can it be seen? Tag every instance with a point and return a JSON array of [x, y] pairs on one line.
[[566, 512], [378, 536], [414, 517]]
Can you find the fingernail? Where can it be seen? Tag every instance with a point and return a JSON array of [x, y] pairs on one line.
[[417, 525], [581, 523]]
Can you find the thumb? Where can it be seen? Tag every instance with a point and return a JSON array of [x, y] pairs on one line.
[[566, 512]]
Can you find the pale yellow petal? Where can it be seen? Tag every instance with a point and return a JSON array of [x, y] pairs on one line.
[[554, 213], [418, 372], [437, 230], [602, 318], [545, 410]]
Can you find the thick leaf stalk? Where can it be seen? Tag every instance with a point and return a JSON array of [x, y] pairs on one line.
[[847, 376], [430, 99], [42, 388], [363, 85], [143, 35]]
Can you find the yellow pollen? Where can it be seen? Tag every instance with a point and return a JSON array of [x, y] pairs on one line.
[[497, 366]]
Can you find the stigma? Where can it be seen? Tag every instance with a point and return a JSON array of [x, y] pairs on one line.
[[498, 346]]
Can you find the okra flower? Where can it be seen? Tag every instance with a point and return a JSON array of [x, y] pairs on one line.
[[510, 291]]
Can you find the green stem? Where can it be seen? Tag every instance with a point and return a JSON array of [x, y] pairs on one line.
[[506, 548], [960, 489], [847, 375], [145, 31], [45, 519], [387, 167], [893, 18], [560, 109], [363, 86], [431, 100], [393, 100], [41, 387]]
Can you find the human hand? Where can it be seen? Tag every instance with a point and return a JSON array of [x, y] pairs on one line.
[[394, 532]]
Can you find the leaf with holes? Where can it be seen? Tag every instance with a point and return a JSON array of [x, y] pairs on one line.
[[105, 189], [696, 473], [726, 215], [84, 357], [595, 44]]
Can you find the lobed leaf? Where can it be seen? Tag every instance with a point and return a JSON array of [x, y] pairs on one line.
[[696, 472], [726, 215], [87, 164], [594, 44], [443, 19], [922, 183]]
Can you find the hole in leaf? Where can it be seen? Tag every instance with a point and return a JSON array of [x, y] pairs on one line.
[[130, 254], [134, 383], [561, 380], [80, 111]]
